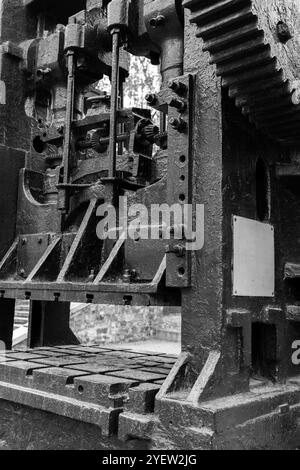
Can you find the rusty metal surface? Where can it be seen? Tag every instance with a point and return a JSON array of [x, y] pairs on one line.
[[78, 147], [255, 63], [69, 131], [123, 401], [90, 383]]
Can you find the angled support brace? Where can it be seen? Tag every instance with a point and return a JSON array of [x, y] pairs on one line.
[[77, 241]]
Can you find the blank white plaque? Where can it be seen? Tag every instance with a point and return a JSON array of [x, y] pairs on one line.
[[253, 258]]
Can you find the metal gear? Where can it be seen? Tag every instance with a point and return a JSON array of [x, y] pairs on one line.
[[96, 143], [149, 132], [253, 45]]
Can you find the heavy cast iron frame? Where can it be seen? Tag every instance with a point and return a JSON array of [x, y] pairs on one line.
[[219, 330]]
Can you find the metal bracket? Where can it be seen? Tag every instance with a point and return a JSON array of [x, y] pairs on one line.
[[179, 170]]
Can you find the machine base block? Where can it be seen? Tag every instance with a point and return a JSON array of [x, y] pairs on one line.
[[89, 397]]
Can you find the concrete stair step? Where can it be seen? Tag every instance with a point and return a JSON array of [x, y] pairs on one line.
[[22, 311], [21, 314], [168, 335]]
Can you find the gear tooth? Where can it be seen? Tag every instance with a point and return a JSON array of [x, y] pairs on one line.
[[95, 141], [243, 58], [96, 144], [150, 132]]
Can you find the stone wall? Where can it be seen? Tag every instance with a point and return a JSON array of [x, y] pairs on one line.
[[107, 324]]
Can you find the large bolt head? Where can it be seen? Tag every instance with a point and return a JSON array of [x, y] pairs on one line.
[[178, 124], [157, 21], [283, 32], [178, 104], [177, 86], [151, 99]]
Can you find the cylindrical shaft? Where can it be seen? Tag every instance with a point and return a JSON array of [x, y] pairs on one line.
[[114, 103], [82, 145], [69, 115], [68, 128]]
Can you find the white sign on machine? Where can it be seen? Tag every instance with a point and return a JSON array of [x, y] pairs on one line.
[[253, 258]]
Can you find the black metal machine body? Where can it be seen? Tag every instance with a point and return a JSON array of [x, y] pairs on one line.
[[68, 149]]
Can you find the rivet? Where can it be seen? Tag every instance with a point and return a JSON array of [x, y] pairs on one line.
[[159, 20]]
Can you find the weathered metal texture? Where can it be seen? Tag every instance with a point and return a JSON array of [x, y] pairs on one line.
[[49, 324], [164, 23], [226, 152], [11, 163], [89, 384], [202, 304], [110, 395], [255, 60], [15, 127], [33, 215], [229, 167], [175, 100], [179, 171], [60, 173], [242, 150]]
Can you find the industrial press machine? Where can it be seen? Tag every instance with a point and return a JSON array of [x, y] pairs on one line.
[[228, 141]]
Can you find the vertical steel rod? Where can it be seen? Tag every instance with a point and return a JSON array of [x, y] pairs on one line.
[[68, 125], [69, 114], [114, 103]]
